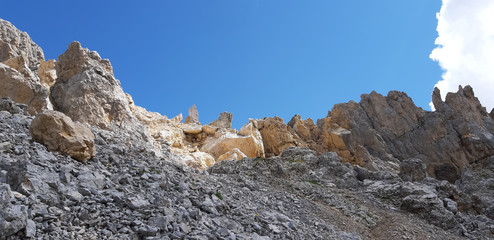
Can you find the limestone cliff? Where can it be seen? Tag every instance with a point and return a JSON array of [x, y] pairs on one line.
[[339, 177], [378, 133]]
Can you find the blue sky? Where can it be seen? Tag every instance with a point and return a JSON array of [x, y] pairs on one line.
[[252, 58]]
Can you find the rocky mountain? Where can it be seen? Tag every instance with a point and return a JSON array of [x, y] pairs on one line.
[[79, 160]]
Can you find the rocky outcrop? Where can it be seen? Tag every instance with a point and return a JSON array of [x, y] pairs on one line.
[[23, 88], [224, 121], [20, 57], [200, 160], [247, 142], [47, 73], [392, 129], [381, 131], [193, 116], [87, 91], [14, 43], [276, 136], [59, 133]]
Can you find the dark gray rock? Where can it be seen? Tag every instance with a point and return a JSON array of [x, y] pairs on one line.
[[12, 217], [412, 170]]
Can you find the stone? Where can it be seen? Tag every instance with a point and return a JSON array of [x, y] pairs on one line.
[[276, 136], [224, 121], [450, 205], [210, 130], [14, 43], [23, 89], [248, 141], [193, 115], [234, 154], [138, 202], [412, 170], [47, 73], [59, 133], [178, 118], [12, 217], [87, 91], [200, 160], [30, 229], [191, 128], [6, 104]]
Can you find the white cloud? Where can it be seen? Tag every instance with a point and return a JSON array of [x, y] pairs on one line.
[[466, 47]]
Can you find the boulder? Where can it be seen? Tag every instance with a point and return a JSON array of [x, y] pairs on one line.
[[210, 130], [248, 141], [234, 154], [58, 132], [224, 121], [191, 128], [199, 160]]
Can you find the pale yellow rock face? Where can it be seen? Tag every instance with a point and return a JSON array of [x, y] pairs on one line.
[[210, 130], [249, 145], [191, 128], [19, 54], [23, 88], [47, 73], [158, 126], [178, 118], [58, 132], [276, 136], [234, 154], [333, 137], [200, 160]]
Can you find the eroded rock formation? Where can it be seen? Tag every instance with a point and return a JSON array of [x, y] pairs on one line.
[[86, 89], [20, 57], [353, 165]]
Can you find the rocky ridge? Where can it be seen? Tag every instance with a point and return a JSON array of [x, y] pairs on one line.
[[379, 169]]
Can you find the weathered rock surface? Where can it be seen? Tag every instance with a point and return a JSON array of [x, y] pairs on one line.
[[87, 91], [19, 59], [380, 132], [412, 170], [23, 89], [13, 218], [234, 154], [144, 182], [224, 121], [247, 142], [59, 133], [47, 73], [276, 136], [15, 43], [193, 115]]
